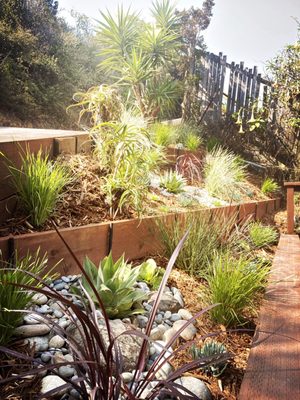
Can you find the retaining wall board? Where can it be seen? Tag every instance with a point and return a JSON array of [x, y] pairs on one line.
[[278, 203], [271, 206], [90, 240], [4, 248], [261, 209], [135, 238], [247, 211]]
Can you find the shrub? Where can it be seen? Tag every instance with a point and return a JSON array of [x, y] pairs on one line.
[[39, 183], [207, 235], [224, 174], [150, 273], [210, 348], [261, 235], [114, 282], [173, 182], [98, 364], [192, 141], [269, 186], [163, 135], [14, 297], [128, 157], [233, 283]]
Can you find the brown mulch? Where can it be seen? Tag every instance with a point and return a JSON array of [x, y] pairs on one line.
[[238, 343], [20, 388], [83, 201]]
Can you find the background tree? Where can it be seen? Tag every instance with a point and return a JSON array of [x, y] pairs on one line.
[[43, 61], [192, 23]]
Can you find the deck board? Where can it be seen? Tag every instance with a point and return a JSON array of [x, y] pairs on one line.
[[273, 371]]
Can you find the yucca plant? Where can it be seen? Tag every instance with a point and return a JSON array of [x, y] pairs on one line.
[[224, 174], [13, 298], [150, 273], [269, 186], [99, 365], [211, 348], [173, 182], [39, 183], [234, 285], [114, 282], [261, 235]]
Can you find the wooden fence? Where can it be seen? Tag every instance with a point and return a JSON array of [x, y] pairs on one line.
[[227, 88]]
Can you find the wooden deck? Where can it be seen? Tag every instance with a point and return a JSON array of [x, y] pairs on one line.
[[273, 371]]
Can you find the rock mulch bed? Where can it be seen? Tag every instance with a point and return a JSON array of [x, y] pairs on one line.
[[53, 348]]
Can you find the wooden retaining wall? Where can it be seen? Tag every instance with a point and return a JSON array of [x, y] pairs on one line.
[[135, 238]]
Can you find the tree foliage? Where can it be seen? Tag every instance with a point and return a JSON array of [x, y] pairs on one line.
[[43, 61]]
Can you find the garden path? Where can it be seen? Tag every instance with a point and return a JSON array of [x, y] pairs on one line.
[[273, 371]]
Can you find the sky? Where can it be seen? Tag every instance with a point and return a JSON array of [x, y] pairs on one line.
[[252, 31]]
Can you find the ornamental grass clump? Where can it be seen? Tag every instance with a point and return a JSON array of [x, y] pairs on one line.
[[234, 284], [207, 234], [261, 235], [192, 141], [163, 135], [13, 297], [98, 362], [224, 174], [269, 186], [39, 183]]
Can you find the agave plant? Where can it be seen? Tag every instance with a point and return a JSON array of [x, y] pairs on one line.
[[114, 282], [211, 348], [150, 273], [173, 182]]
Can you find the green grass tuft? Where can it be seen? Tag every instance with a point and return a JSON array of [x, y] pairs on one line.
[[234, 283], [261, 235], [269, 186]]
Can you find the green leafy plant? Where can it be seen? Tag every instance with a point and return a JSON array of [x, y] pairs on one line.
[[15, 298], [163, 134], [150, 273], [210, 348], [98, 361], [173, 182], [39, 183], [114, 282], [269, 186], [224, 174], [128, 156], [261, 235], [233, 284], [192, 141], [207, 234]]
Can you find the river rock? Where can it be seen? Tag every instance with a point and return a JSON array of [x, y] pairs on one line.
[[66, 372], [188, 333], [158, 332], [51, 382], [39, 299], [129, 344], [185, 314], [33, 319], [41, 343], [195, 386], [25, 331], [167, 302], [57, 342]]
